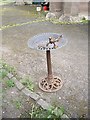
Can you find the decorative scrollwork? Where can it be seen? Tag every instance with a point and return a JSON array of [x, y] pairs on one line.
[[50, 86]]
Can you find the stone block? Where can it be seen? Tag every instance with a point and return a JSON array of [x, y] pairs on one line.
[[43, 104], [31, 94], [19, 85], [9, 75]]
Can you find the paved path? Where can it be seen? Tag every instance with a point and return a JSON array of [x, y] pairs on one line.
[[70, 62]]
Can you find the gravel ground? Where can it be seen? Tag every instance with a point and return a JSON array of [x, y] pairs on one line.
[[70, 62]]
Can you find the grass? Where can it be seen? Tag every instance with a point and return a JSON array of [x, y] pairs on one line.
[[3, 73], [35, 111], [56, 21], [17, 104], [2, 2], [28, 83], [10, 83], [6, 67], [25, 11], [21, 24], [85, 21], [38, 112]]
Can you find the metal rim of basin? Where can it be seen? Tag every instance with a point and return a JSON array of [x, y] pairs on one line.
[[39, 41]]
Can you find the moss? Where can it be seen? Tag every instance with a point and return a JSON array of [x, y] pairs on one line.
[[56, 21], [21, 24], [85, 21]]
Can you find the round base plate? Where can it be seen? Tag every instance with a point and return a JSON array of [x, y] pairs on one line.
[[52, 85]]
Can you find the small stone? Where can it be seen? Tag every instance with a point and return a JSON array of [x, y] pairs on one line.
[[9, 75], [59, 98], [43, 104], [50, 16], [30, 94], [64, 116], [5, 101], [12, 92]]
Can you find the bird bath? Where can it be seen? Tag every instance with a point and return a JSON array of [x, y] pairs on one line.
[[47, 42]]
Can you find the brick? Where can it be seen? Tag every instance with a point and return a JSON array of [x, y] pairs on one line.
[[30, 94], [43, 104], [19, 85], [9, 75]]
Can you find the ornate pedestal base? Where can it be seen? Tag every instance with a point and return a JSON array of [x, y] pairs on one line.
[[50, 85]]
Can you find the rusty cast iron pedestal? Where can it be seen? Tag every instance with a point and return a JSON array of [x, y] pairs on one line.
[[50, 83], [47, 42]]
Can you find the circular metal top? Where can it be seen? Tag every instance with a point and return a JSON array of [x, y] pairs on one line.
[[47, 41]]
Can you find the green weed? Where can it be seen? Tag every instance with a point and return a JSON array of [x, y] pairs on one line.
[[18, 104], [7, 67], [84, 21], [52, 112], [2, 2], [3, 73], [10, 83], [56, 21], [28, 83]]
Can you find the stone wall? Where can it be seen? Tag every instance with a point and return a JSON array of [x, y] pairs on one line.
[[73, 11], [69, 10]]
